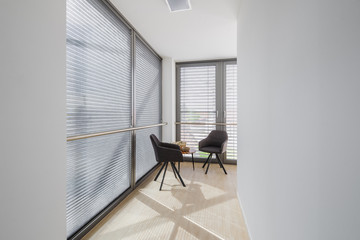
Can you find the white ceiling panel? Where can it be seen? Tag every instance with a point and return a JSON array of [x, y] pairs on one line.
[[208, 31]]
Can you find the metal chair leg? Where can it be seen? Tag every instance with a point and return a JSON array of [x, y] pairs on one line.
[[172, 166], [192, 159], [163, 175], [178, 174], [157, 175], [220, 163], [207, 160], [208, 165]]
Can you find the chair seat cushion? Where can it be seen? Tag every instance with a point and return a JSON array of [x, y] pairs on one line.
[[210, 149]]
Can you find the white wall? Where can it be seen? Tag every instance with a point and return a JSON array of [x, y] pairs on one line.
[[32, 122], [299, 115], [168, 99]]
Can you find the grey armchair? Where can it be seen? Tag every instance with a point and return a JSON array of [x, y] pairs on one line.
[[215, 143], [166, 153]]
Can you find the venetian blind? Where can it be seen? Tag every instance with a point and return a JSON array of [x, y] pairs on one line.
[[148, 105], [98, 99], [231, 109], [197, 96]]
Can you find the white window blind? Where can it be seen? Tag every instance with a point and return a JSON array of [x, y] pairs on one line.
[[98, 69], [231, 109], [207, 94], [98, 99], [145, 157], [98, 171], [148, 105], [197, 103]]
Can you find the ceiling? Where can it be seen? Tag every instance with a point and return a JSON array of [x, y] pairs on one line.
[[206, 32]]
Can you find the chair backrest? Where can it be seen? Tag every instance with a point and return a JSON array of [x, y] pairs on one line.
[[217, 138], [156, 143]]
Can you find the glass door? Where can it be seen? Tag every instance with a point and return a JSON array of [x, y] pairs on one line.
[[206, 100], [196, 103]]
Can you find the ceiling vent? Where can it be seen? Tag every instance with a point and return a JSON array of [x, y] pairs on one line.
[[178, 5]]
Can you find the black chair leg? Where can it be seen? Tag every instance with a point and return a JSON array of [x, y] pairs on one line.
[[208, 165], [172, 166], [192, 159], [163, 175], [220, 163], [178, 174], [207, 160], [157, 175]]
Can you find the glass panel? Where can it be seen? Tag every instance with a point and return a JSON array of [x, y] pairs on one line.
[[145, 156], [98, 171], [98, 69], [148, 105], [231, 109], [197, 103], [147, 85]]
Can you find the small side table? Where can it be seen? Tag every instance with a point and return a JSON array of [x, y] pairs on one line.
[[191, 151]]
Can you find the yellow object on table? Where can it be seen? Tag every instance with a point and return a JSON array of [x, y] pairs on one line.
[[180, 143], [182, 146]]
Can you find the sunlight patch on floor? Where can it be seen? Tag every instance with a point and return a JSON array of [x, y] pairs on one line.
[[207, 208]]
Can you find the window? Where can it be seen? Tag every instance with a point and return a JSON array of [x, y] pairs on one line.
[[197, 95], [113, 83], [206, 100], [148, 105], [231, 109]]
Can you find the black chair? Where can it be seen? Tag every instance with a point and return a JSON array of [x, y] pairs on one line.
[[215, 143], [166, 153]]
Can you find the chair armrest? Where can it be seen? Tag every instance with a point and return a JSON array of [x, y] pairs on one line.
[[203, 143], [170, 145], [224, 146], [170, 154]]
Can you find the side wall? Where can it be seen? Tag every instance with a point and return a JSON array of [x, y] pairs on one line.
[[32, 122], [299, 115]]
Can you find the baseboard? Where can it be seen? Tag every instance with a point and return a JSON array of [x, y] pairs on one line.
[[243, 213]]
